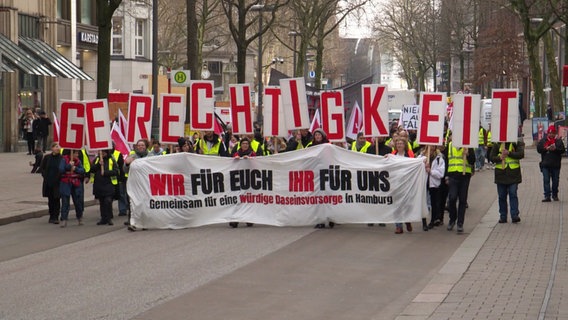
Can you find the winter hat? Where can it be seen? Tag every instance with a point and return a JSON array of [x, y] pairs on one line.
[[320, 130], [551, 129]]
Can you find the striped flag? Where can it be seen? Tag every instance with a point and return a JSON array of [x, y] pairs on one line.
[[122, 122], [316, 121], [119, 140], [355, 122], [55, 128]]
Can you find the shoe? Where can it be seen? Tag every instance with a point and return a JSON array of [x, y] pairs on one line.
[[55, 222], [234, 224], [63, 223], [408, 226], [131, 228], [370, 224], [459, 229], [451, 226], [431, 225], [126, 223], [80, 222], [101, 223], [555, 199], [398, 230], [250, 224], [546, 200], [503, 220], [320, 226], [331, 224], [382, 225], [516, 219], [110, 223], [438, 223], [122, 214]]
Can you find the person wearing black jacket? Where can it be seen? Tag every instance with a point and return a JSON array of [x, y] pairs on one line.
[[51, 180], [551, 149], [300, 140], [106, 172], [42, 130]]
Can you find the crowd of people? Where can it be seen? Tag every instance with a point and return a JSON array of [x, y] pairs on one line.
[[449, 170]]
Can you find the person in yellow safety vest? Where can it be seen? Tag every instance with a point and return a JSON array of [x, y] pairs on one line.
[[106, 174], [256, 147], [300, 140], [460, 168], [481, 150], [122, 200], [211, 145], [490, 163], [140, 151], [157, 149], [360, 144], [508, 176]]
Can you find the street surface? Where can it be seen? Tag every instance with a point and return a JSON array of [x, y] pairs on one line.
[[215, 272]]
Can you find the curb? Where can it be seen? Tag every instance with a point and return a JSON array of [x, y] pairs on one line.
[[36, 213]]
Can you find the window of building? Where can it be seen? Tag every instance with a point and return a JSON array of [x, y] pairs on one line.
[[117, 36], [28, 26], [64, 9], [139, 38], [85, 11], [215, 67]]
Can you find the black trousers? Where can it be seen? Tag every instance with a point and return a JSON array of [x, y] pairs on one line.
[[105, 206], [458, 189], [53, 204], [437, 203]]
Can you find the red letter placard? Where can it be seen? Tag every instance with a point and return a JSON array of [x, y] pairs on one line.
[[202, 105], [139, 117], [241, 108], [465, 120], [375, 110], [431, 123], [172, 116], [98, 125], [295, 103], [71, 124], [274, 123], [504, 115], [333, 118]]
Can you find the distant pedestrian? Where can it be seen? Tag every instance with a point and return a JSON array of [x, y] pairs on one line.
[[42, 128], [29, 133], [549, 113], [36, 165], [551, 149], [506, 157], [51, 180]]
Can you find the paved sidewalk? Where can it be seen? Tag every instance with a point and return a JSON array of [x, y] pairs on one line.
[[506, 271], [20, 190]]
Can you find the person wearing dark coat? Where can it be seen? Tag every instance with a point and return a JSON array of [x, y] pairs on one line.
[[551, 149], [51, 180], [106, 173], [43, 123]]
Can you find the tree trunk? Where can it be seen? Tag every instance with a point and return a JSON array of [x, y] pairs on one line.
[[556, 91], [536, 76]]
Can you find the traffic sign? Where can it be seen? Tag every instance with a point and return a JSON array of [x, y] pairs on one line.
[[312, 74], [180, 78]]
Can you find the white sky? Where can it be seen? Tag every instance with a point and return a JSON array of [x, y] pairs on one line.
[[358, 24]]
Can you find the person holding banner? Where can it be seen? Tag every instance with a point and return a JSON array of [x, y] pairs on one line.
[[319, 137], [506, 157], [361, 144], [51, 180], [211, 144], [461, 162], [300, 140], [141, 151], [436, 170], [551, 149], [71, 186], [106, 172], [402, 150], [244, 152]]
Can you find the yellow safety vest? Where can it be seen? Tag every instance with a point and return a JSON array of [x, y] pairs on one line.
[[489, 143], [363, 149], [213, 151], [456, 161], [512, 163], [482, 137], [113, 179]]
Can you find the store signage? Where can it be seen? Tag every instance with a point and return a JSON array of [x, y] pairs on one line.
[[89, 37]]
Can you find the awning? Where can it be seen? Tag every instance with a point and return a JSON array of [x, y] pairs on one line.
[[4, 67], [18, 58], [55, 60]]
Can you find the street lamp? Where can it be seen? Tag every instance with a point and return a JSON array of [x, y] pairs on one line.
[[260, 8], [294, 34]]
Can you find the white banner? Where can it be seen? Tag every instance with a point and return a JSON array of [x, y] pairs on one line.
[[295, 103], [333, 115], [299, 188], [202, 105], [140, 108], [466, 116], [375, 110], [241, 109], [504, 115], [274, 122], [172, 117]]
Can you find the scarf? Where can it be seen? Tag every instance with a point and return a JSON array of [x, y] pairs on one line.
[[549, 141]]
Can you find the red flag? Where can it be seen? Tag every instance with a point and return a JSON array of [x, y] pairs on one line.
[[119, 140], [218, 129], [55, 128], [355, 123], [122, 122], [316, 121]]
